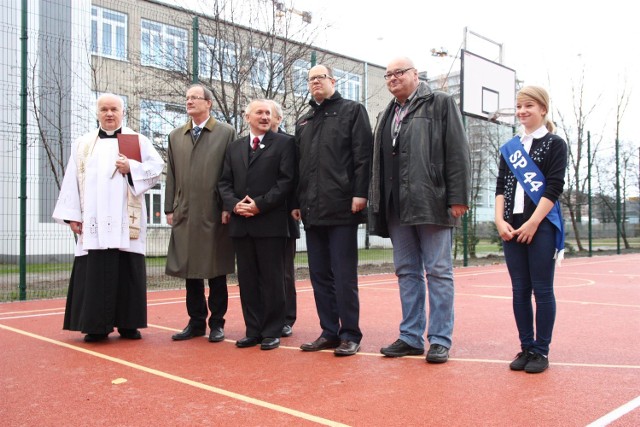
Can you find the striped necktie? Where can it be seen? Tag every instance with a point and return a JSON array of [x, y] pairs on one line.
[[196, 132]]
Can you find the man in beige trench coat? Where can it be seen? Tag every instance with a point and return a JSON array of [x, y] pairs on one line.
[[200, 247]]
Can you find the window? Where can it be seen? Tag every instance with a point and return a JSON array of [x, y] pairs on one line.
[[158, 119], [267, 71], [154, 199], [299, 75], [348, 84], [211, 52], [108, 33], [163, 46]]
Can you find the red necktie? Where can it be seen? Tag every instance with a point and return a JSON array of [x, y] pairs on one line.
[[256, 141]]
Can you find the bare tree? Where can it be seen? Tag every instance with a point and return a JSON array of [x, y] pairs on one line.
[[574, 129], [265, 57], [628, 178], [52, 132], [624, 157], [52, 103]]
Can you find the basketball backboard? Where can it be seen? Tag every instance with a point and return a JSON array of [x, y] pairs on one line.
[[488, 89]]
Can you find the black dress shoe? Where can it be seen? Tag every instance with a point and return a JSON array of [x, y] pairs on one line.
[[216, 334], [188, 333], [401, 348], [347, 348], [287, 331], [321, 343], [270, 343], [437, 354], [129, 334], [247, 342], [95, 337]]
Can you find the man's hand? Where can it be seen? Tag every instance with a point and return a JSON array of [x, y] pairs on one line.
[[458, 210], [226, 216], [358, 203], [246, 207], [76, 227], [169, 217], [122, 164], [295, 214]]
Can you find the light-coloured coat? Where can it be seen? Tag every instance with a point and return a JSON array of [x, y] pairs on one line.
[[200, 247], [101, 206]]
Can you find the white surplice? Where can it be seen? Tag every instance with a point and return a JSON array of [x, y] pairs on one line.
[[105, 219]]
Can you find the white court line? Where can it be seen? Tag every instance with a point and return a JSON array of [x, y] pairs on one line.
[[616, 413], [29, 316], [171, 377], [304, 290]]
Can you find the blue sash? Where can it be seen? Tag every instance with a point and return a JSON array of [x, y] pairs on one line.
[[533, 182]]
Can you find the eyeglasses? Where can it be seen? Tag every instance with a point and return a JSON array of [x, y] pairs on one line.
[[396, 73], [194, 98], [319, 78]]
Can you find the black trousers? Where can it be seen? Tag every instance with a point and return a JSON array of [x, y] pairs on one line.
[[333, 268], [261, 280], [197, 305], [290, 282]]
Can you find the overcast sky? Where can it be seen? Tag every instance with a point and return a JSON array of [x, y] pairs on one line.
[[546, 42]]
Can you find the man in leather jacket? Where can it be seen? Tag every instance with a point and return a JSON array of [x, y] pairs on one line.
[[334, 150], [420, 185]]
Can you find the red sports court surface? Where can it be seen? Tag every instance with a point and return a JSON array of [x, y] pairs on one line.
[[50, 377]]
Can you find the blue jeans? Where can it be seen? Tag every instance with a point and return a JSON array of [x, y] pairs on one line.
[[416, 249], [531, 268], [333, 269]]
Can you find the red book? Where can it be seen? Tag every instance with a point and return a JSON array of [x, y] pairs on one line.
[[129, 146]]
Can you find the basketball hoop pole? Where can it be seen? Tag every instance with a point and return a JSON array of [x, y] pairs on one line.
[[465, 219]]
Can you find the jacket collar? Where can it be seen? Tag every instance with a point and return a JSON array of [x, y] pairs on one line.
[[422, 93], [333, 98], [211, 122]]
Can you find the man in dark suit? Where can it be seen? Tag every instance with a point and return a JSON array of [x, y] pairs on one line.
[[256, 183], [290, 248]]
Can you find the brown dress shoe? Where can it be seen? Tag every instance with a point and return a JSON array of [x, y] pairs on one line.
[[321, 343]]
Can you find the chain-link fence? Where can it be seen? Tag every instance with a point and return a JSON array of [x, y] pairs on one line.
[[57, 56]]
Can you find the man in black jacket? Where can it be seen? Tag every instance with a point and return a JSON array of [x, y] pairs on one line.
[[256, 183], [334, 142]]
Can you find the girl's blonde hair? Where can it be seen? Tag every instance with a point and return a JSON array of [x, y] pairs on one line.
[[540, 96]]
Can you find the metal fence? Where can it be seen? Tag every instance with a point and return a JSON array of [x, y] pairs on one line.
[[57, 56]]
